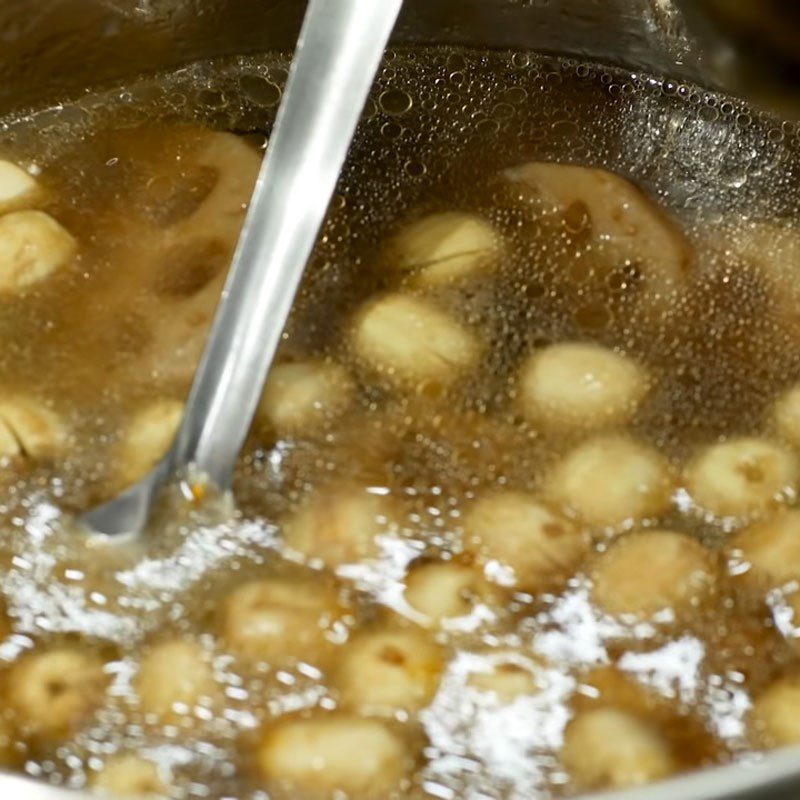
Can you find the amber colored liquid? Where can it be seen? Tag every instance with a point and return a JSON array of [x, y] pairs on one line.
[[96, 342]]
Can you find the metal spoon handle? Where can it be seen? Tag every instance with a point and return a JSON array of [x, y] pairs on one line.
[[338, 53]]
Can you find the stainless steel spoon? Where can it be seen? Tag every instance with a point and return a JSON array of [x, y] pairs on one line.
[[337, 56]]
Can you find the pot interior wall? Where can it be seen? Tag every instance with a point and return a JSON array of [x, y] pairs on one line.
[[54, 48]]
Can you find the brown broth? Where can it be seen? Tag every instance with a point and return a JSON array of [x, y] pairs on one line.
[[96, 342]]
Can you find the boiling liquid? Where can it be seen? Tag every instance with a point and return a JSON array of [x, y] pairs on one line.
[[438, 129]]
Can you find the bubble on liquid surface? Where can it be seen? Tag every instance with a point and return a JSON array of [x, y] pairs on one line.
[[395, 101], [260, 90]]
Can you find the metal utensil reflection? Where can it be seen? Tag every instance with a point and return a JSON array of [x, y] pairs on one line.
[[337, 56]]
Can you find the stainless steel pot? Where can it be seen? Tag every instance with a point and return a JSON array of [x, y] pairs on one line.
[[52, 49], [55, 47]]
